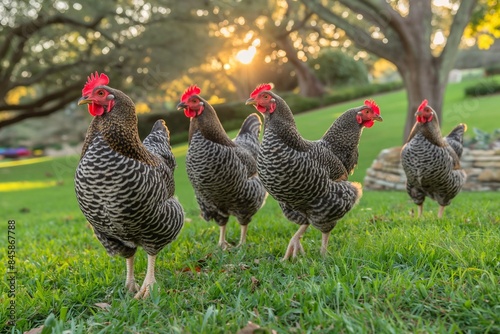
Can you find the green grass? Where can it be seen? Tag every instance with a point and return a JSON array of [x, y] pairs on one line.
[[385, 271]]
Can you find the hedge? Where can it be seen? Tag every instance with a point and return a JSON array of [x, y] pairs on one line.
[[232, 114], [483, 88]]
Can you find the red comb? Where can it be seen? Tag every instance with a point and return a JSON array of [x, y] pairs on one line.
[[190, 91], [259, 89], [422, 105], [94, 80], [371, 104]]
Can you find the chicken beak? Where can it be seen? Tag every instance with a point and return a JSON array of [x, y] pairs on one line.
[[181, 106], [84, 100], [250, 102], [378, 118]]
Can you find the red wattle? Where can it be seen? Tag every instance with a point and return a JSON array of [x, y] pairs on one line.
[[369, 123], [189, 113], [95, 109], [422, 119]]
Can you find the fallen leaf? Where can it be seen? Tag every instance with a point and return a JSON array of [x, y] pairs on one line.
[[244, 266], [104, 306], [255, 283], [249, 328], [36, 330]]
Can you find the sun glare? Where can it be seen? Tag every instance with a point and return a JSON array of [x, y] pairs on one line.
[[246, 56]]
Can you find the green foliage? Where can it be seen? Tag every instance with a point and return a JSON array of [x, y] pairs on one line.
[[336, 68], [483, 88], [483, 140], [492, 69]]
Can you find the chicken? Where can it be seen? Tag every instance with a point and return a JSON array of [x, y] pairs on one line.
[[309, 178], [125, 188], [223, 172], [431, 162]]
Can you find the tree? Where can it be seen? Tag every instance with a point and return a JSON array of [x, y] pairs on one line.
[[47, 49], [335, 68], [294, 21], [408, 34]]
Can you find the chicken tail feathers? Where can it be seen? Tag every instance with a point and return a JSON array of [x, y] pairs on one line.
[[455, 138], [251, 126], [359, 190], [248, 136], [158, 142]]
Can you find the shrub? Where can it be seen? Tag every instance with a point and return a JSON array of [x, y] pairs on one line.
[[232, 114], [492, 69], [483, 140], [335, 68], [483, 88]]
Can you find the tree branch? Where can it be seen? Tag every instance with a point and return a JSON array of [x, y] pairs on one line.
[[390, 51], [460, 21], [40, 112], [42, 100], [42, 74], [297, 24], [24, 32]]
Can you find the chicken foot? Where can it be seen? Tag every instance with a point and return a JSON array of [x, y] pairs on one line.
[[294, 246], [222, 238], [149, 280]]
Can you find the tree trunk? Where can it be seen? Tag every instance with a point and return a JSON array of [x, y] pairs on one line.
[[309, 84], [408, 44], [422, 82]]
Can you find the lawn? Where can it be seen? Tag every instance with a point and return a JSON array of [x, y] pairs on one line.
[[385, 271]]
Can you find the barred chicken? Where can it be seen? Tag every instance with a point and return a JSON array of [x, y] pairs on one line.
[[431, 162], [223, 172], [125, 188], [309, 178]]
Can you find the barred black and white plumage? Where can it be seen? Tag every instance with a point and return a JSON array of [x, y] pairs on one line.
[[307, 178], [223, 172], [125, 188], [432, 163]]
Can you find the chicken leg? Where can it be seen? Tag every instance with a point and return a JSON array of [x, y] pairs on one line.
[[149, 280], [130, 283], [441, 211], [294, 246], [243, 236], [222, 237], [420, 210], [324, 243]]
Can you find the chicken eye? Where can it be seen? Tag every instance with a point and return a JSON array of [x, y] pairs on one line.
[[100, 93]]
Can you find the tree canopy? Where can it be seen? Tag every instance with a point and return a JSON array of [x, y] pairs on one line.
[[153, 49], [47, 49]]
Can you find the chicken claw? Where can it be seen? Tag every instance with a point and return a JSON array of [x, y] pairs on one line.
[[294, 246], [149, 280]]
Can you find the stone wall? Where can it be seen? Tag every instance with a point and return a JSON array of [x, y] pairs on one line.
[[482, 167]]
